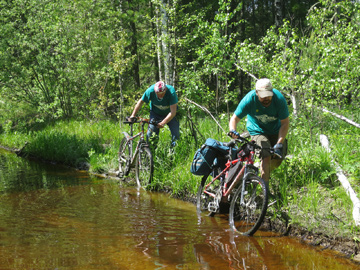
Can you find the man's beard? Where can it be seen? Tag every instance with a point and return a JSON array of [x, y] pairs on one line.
[[266, 103]]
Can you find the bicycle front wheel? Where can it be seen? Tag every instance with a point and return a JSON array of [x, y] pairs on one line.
[[144, 167], [247, 214], [124, 158]]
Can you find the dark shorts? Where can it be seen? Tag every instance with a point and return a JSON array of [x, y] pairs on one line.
[[267, 141]]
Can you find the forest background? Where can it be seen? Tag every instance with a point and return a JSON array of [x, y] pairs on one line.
[[80, 66]]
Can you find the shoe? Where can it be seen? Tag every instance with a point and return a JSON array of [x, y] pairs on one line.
[[224, 208]]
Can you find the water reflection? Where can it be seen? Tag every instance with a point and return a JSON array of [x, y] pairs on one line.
[[265, 250], [19, 174], [56, 218]]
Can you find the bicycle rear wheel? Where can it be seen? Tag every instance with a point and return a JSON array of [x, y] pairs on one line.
[[246, 217], [124, 158], [144, 166], [205, 203]]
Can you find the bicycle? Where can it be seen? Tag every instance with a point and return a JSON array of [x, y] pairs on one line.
[[236, 185], [139, 157]]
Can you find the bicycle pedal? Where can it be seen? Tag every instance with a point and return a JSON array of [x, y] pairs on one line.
[[212, 207]]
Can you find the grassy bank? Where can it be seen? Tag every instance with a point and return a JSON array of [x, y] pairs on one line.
[[305, 185]]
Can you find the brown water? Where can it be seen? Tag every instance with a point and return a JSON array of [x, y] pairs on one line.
[[56, 218]]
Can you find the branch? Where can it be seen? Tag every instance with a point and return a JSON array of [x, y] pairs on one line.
[[341, 117], [206, 110], [253, 76]]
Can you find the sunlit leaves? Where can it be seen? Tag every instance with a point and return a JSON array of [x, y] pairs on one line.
[[320, 64]]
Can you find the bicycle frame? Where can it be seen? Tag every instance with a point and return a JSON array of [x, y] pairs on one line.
[[247, 169], [130, 139]]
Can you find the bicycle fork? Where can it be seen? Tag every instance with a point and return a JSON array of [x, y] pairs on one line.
[[249, 168], [215, 204], [137, 152]]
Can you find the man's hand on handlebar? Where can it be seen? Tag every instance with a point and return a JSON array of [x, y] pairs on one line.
[[131, 119], [278, 150], [234, 134], [160, 125], [156, 123]]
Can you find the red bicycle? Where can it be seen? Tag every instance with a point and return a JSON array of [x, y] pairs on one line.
[[236, 188]]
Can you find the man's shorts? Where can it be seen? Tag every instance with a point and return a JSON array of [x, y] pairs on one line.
[[267, 141]]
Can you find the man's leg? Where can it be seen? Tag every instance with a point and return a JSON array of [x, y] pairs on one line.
[[264, 155], [175, 130], [152, 134], [265, 169]]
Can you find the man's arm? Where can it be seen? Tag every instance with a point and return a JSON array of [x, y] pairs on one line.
[[137, 107], [232, 126], [234, 120], [283, 130], [170, 116]]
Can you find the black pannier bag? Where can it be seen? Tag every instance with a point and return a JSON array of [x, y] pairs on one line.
[[211, 151]]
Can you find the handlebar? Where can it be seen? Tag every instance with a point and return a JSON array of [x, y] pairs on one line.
[[240, 139], [244, 140], [133, 120]]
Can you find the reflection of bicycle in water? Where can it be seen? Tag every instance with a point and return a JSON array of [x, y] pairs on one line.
[[238, 187], [137, 155], [229, 250]]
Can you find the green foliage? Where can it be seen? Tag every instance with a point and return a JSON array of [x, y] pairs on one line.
[[54, 56], [316, 68], [93, 60], [214, 57], [61, 147]]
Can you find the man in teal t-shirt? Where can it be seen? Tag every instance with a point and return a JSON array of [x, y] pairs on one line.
[[163, 106], [267, 122]]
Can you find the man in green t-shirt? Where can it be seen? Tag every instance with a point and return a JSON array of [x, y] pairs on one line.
[[163, 106], [267, 122]]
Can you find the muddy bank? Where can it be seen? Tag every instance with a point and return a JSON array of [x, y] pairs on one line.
[[345, 246]]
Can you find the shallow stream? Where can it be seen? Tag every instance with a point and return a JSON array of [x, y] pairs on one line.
[[53, 217]]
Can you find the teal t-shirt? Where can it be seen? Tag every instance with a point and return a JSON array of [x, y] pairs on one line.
[[161, 107], [260, 119]]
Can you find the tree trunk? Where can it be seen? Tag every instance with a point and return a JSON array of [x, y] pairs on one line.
[[158, 45], [134, 51], [154, 32], [253, 19], [278, 13], [165, 41], [294, 102]]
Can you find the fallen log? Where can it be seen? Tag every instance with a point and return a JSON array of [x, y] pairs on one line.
[[341, 117], [345, 183]]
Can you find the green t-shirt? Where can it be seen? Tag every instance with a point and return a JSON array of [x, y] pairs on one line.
[[161, 107], [260, 119]]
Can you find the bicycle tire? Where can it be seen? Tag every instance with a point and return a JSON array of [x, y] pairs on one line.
[[202, 199], [144, 166], [124, 158], [247, 219]]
